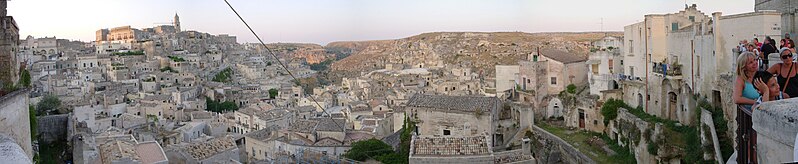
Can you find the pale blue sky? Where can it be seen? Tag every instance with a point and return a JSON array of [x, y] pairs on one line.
[[323, 21]]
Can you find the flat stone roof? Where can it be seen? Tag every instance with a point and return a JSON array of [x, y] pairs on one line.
[[150, 152]]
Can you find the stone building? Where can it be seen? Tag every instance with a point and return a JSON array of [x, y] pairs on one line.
[[9, 60], [453, 115], [40, 46], [686, 54], [605, 65], [505, 78], [787, 8]]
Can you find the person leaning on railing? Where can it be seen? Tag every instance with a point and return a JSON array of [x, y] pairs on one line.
[[745, 93], [786, 73], [747, 90]]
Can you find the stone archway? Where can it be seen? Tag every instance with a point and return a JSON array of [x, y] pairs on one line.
[[554, 109], [613, 85]]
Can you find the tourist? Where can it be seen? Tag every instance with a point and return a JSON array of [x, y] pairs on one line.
[[751, 47], [744, 92], [768, 87], [758, 44], [785, 72], [745, 95], [767, 49], [743, 46]]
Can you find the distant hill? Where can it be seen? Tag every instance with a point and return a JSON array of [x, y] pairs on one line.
[[478, 50]]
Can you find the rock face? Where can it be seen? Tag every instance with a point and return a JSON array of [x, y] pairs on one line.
[[479, 51], [311, 53]]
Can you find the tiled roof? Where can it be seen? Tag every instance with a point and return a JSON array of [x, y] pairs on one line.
[[303, 126], [204, 150], [450, 146], [459, 103], [117, 149], [562, 56], [327, 124]]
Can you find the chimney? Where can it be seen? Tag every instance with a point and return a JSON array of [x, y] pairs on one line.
[[526, 147]]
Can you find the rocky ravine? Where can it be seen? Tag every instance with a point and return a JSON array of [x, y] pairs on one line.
[[477, 50]]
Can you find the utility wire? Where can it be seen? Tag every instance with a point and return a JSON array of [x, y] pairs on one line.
[[281, 63]]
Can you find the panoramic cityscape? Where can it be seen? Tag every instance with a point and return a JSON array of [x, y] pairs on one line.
[[442, 82]]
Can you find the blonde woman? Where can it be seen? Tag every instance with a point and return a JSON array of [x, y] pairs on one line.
[[745, 93]]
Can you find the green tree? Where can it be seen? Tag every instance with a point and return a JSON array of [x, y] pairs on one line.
[[48, 103], [228, 106], [24, 78], [610, 109], [33, 124], [273, 93], [571, 88], [371, 148]]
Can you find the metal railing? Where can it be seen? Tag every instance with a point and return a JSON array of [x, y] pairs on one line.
[[669, 70], [746, 136]]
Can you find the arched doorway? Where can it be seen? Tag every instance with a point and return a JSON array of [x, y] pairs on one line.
[[672, 97], [639, 100]]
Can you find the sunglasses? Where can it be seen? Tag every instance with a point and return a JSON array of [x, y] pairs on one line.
[[786, 56]]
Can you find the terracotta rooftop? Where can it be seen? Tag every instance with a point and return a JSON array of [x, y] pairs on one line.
[[450, 146]]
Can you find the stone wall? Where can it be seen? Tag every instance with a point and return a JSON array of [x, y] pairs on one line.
[[776, 125], [706, 119], [15, 120], [52, 128], [554, 145]]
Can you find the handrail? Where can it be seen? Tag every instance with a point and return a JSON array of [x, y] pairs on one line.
[[746, 136]]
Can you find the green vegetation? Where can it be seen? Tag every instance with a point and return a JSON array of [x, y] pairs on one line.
[[721, 128], [321, 66], [273, 93], [371, 148], [216, 106], [54, 152], [571, 88], [24, 78], [168, 69], [32, 118], [382, 152], [128, 53], [610, 109], [177, 59], [48, 104], [223, 76], [676, 141], [340, 52], [580, 140]]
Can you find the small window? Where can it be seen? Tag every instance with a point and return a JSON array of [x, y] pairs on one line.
[[447, 132], [553, 80]]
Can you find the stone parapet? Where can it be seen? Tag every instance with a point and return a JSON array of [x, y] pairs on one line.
[[776, 125]]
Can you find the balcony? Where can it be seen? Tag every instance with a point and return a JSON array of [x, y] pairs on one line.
[[671, 70]]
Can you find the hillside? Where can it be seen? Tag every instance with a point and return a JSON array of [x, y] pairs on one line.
[[477, 50]]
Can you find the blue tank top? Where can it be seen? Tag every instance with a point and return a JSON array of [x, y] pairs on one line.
[[750, 92]]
